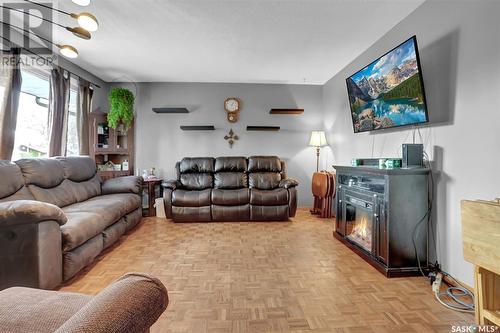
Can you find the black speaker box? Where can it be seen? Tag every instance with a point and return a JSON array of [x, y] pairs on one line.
[[413, 155]]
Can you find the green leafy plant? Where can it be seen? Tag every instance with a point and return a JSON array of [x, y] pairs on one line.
[[121, 110]]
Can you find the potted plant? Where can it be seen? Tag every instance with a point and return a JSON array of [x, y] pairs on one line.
[[121, 110]]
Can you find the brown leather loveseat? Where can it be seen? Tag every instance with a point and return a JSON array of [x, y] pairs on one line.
[[230, 189]]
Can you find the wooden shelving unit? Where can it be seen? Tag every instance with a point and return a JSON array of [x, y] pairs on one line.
[[198, 128], [263, 128], [170, 110], [286, 111], [114, 145]]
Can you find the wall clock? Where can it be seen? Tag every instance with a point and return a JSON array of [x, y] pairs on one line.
[[232, 107]]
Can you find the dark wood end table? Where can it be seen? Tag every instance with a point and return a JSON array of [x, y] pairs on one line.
[[151, 184]]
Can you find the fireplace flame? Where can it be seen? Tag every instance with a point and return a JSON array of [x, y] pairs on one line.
[[361, 229]]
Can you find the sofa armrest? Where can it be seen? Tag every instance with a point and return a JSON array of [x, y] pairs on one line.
[[130, 304], [20, 212], [287, 183], [127, 184], [171, 184]]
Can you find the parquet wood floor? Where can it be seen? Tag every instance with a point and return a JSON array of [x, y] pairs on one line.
[[267, 277]]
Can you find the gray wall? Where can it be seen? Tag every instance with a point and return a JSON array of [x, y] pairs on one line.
[[160, 142], [460, 56]]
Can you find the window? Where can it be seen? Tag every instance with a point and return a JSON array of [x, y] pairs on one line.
[[72, 147], [32, 131], [32, 137]]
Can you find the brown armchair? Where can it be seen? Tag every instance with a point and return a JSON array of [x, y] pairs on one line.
[[130, 304]]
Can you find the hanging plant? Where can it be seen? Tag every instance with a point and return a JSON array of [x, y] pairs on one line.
[[121, 110]]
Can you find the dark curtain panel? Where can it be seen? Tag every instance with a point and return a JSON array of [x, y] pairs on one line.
[[10, 81], [58, 110], [84, 107]]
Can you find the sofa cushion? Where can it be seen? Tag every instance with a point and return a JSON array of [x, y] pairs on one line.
[[274, 197], [230, 180], [183, 198], [196, 181], [264, 164], [89, 218], [264, 180], [197, 164], [78, 168], [12, 178], [60, 195], [230, 197], [230, 164], [86, 189], [42, 172], [81, 227]]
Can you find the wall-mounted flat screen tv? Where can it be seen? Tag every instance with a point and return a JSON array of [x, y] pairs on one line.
[[389, 92]]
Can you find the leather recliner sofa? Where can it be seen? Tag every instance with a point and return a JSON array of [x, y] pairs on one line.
[[56, 216], [230, 189]]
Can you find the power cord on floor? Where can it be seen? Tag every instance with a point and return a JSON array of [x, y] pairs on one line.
[[458, 293], [455, 293]]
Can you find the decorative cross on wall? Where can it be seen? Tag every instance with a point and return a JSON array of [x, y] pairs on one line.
[[231, 137]]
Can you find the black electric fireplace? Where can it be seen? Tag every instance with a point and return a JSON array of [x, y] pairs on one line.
[[378, 215]]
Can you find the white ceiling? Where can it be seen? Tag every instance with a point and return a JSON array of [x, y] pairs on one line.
[[255, 41]]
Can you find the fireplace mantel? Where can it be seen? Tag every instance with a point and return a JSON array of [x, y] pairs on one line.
[[390, 204]]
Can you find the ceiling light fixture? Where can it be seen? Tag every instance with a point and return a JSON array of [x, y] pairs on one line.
[[81, 2], [80, 32], [68, 51], [85, 20], [77, 31]]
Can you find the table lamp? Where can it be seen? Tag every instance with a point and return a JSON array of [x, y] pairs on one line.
[[318, 140]]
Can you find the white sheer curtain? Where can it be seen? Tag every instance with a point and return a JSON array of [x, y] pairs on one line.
[[10, 89]]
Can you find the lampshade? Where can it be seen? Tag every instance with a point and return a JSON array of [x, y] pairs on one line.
[[318, 139]]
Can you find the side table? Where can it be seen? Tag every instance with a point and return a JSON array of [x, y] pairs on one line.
[[150, 186]]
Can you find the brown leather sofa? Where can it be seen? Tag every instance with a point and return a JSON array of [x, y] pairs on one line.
[[56, 216], [130, 304], [230, 189]]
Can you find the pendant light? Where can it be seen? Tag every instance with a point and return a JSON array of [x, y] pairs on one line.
[[81, 2], [87, 21], [68, 51]]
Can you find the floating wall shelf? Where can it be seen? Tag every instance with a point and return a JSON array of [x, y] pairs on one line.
[[286, 111], [263, 128], [170, 110], [198, 128]]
